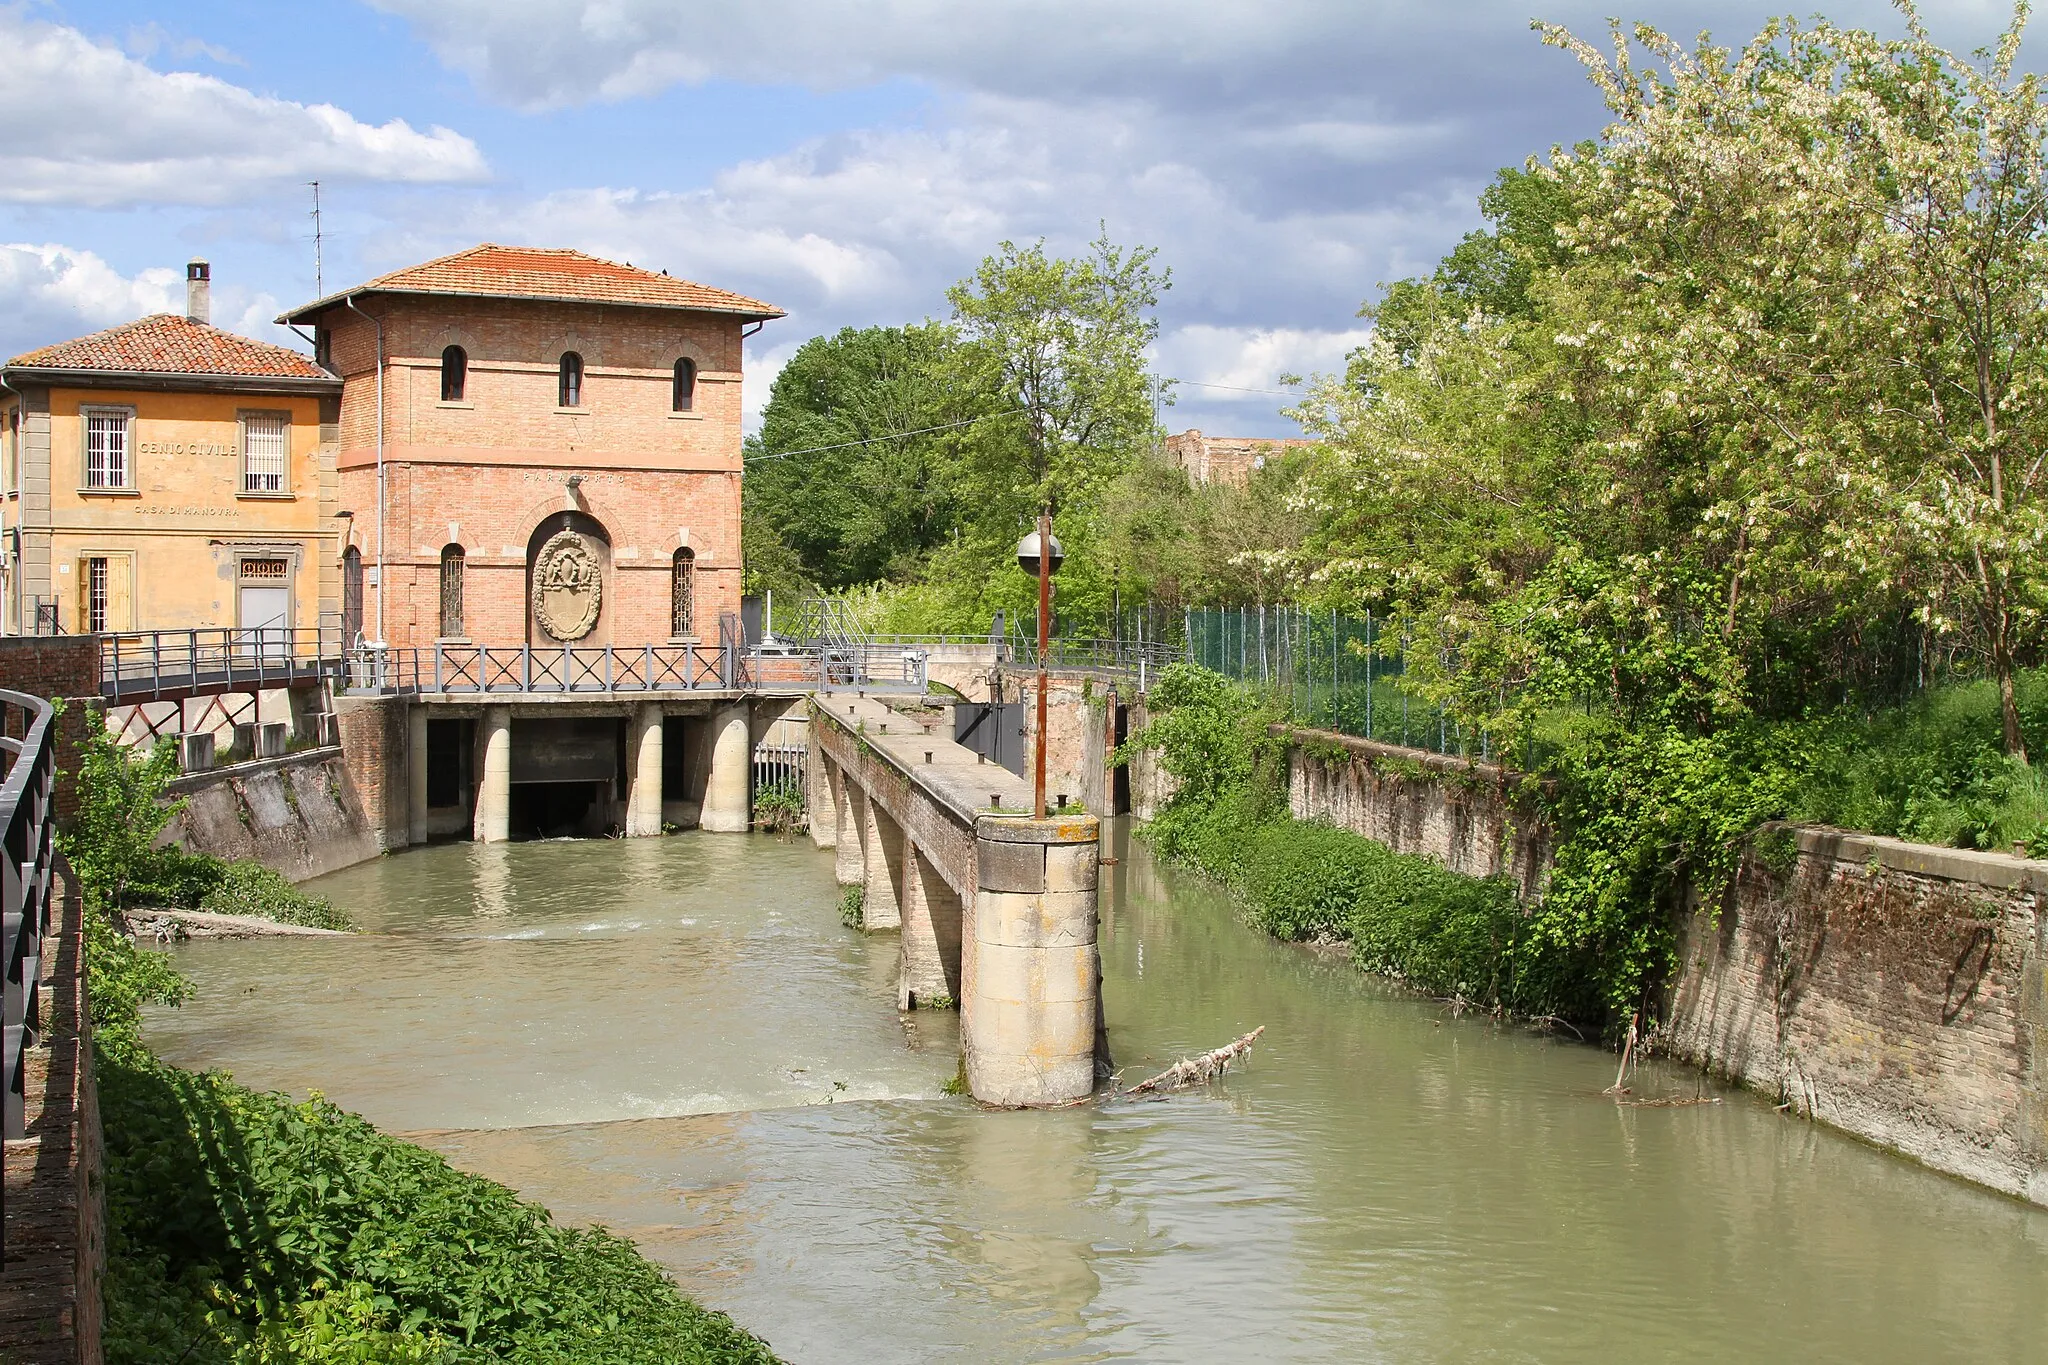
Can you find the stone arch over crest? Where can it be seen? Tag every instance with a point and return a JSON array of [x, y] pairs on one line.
[[571, 591]]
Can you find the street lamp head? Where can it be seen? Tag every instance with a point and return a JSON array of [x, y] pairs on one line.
[[1027, 555]]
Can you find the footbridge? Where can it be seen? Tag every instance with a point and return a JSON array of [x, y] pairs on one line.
[[995, 911]]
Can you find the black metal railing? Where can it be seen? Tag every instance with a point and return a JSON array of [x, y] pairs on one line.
[[27, 798], [142, 664]]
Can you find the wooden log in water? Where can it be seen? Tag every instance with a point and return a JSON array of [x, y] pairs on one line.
[[1198, 1070]]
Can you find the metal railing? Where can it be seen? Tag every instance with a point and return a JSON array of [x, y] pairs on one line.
[[449, 668], [27, 800], [144, 664]]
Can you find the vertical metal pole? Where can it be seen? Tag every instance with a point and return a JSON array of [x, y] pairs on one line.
[[1368, 674], [1044, 640]]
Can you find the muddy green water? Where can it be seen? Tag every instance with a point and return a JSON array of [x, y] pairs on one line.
[[676, 1038]]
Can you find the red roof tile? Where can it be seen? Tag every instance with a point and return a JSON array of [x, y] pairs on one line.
[[554, 273], [164, 343]]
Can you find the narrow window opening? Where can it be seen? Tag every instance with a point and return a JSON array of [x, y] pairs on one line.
[[570, 391], [106, 449], [96, 586], [451, 591], [264, 446], [351, 596], [683, 593], [684, 397], [454, 374]]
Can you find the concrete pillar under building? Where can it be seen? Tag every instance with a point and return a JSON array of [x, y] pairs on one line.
[[883, 845], [728, 788], [929, 969], [416, 774], [494, 793], [849, 866], [1028, 1025], [643, 799]]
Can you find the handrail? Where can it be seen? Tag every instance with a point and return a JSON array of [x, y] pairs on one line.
[[145, 664], [27, 804]]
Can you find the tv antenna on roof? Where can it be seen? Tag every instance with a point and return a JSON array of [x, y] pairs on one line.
[[318, 284]]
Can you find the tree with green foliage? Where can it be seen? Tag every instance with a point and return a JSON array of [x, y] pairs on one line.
[[1061, 341], [856, 468]]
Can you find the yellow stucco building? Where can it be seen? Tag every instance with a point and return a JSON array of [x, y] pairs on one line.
[[168, 474]]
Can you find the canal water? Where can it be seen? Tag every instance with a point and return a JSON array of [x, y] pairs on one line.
[[677, 1038]]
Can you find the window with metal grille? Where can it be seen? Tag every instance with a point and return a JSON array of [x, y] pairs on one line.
[[106, 448], [570, 390], [451, 591], [454, 374], [684, 396], [96, 594], [263, 454], [683, 593]]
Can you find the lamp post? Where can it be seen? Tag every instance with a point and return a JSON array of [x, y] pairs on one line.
[[1044, 566]]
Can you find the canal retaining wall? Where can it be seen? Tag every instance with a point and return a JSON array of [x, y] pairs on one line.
[[298, 814], [1476, 818], [1892, 990], [1896, 991]]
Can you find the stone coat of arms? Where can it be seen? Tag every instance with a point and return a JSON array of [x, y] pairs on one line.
[[568, 586]]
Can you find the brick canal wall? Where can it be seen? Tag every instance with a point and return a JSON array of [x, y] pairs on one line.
[[1474, 818], [299, 814], [56, 1217], [1888, 989], [1896, 991]]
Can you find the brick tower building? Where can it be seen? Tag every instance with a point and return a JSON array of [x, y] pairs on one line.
[[557, 441]]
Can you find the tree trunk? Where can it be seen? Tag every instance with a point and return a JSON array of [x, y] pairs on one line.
[[2008, 702]]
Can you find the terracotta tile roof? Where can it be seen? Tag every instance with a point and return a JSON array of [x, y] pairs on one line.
[[554, 273], [164, 343]]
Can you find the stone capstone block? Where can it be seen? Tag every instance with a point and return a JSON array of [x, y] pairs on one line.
[[1049, 919], [1063, 829], [1010, 867], [1072, 867]]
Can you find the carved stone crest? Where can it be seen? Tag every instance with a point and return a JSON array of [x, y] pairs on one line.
[[568, 587]]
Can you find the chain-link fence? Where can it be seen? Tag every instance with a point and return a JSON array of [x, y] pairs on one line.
[[1338, 672]]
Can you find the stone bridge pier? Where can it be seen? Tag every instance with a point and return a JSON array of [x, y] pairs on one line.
[[995, 912]]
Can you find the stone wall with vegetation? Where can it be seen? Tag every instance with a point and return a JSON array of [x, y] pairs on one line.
[[1891, 990], [1472, 817], [295, 815]]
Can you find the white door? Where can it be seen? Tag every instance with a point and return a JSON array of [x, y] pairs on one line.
[[265, 612]]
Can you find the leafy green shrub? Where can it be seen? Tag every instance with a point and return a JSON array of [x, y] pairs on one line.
[[265, 1226], [1405, 916], [246, 888], [853, 907], [779, 806]]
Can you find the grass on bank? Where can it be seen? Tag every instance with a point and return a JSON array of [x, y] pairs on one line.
[[245, 1228]]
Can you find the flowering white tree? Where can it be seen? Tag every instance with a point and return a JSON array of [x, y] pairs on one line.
[[1820, 259]]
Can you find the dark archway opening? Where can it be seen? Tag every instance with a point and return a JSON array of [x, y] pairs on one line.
[[561, 810]]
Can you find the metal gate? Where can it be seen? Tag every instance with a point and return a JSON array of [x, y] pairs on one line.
[[995, 730]]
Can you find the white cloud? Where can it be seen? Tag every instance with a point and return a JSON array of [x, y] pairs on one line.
[[89, 125], [50, 292]]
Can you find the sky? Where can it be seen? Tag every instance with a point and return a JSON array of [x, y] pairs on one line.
[[845, 161]]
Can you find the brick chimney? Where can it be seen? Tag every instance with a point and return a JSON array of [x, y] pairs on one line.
[[198, 291]]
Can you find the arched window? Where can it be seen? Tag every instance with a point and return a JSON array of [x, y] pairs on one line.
[[684, 397], [351, 596], [451, 592], [454, 373], [682, 594], [570, 391]]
